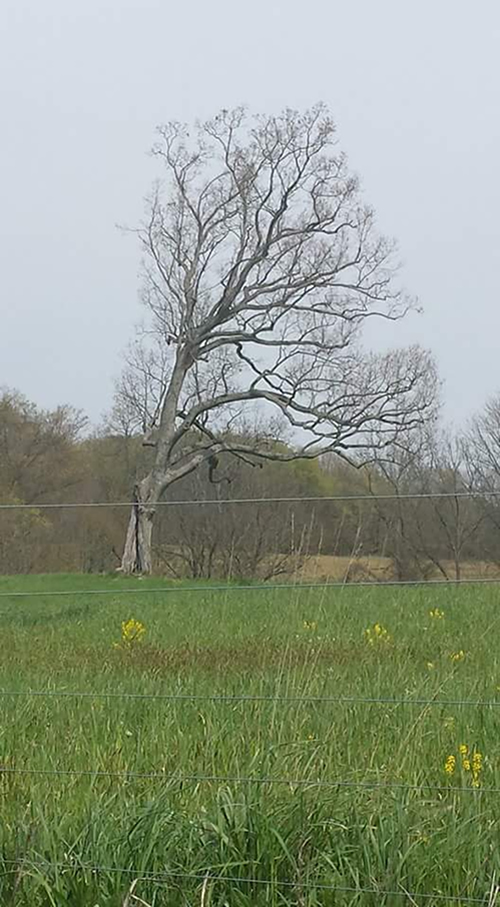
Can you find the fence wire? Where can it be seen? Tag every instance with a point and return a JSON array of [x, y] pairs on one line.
[[236, 587], [208, 877], [303, 499], [245, 698], [126, 775]]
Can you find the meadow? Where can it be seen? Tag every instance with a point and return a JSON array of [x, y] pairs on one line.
[[247, 746]]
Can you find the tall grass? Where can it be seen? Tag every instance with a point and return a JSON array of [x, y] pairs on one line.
[[229, 809]]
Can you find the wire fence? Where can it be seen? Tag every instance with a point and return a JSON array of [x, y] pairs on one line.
[[303, 499], [362, 549], [168, 876], [367, 544], [181, 780], [253, 587], [231, 699]]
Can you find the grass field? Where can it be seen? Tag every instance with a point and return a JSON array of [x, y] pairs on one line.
[[242, 791]]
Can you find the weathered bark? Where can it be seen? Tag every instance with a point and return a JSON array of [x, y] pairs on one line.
[[137, 553]]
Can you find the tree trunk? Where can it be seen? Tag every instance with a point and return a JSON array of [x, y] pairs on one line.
[[137, 553]]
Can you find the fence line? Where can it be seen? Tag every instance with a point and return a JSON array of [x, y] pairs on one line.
[[205, 877], [132, 775], [424, 495], [234, 587], [230, 699]]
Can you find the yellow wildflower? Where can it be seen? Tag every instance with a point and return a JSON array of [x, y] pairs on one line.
[[377, 634], [450, 764], [477, 761], [471, 762], [132, 632], [310, 625], [436, 614], [430, 665], [458, 656], [477, 765]]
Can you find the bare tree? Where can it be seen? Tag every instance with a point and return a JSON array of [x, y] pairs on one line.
[[397, 474], [433, 521], [261, 264], [482, 457], [456, 517], [482, 440], [140, 389]]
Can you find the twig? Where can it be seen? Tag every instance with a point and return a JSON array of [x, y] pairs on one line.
[[135, 897], [494, 892], [204, 890], [130, 894], [408, 895]]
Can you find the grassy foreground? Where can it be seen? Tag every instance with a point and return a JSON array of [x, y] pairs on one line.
[[232, 802]]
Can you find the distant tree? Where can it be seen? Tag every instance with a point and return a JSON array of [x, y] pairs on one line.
[[482, 458], [36, 447], [449, 534], [482, 439], [397, 474], [262, 264], [39, 462], [432, 521]]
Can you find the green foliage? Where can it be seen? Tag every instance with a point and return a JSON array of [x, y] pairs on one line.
[[263, 643]]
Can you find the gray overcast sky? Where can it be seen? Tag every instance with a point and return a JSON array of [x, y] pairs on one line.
[[413, 86]]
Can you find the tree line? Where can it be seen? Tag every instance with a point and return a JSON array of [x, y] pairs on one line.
[[386, 526]]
